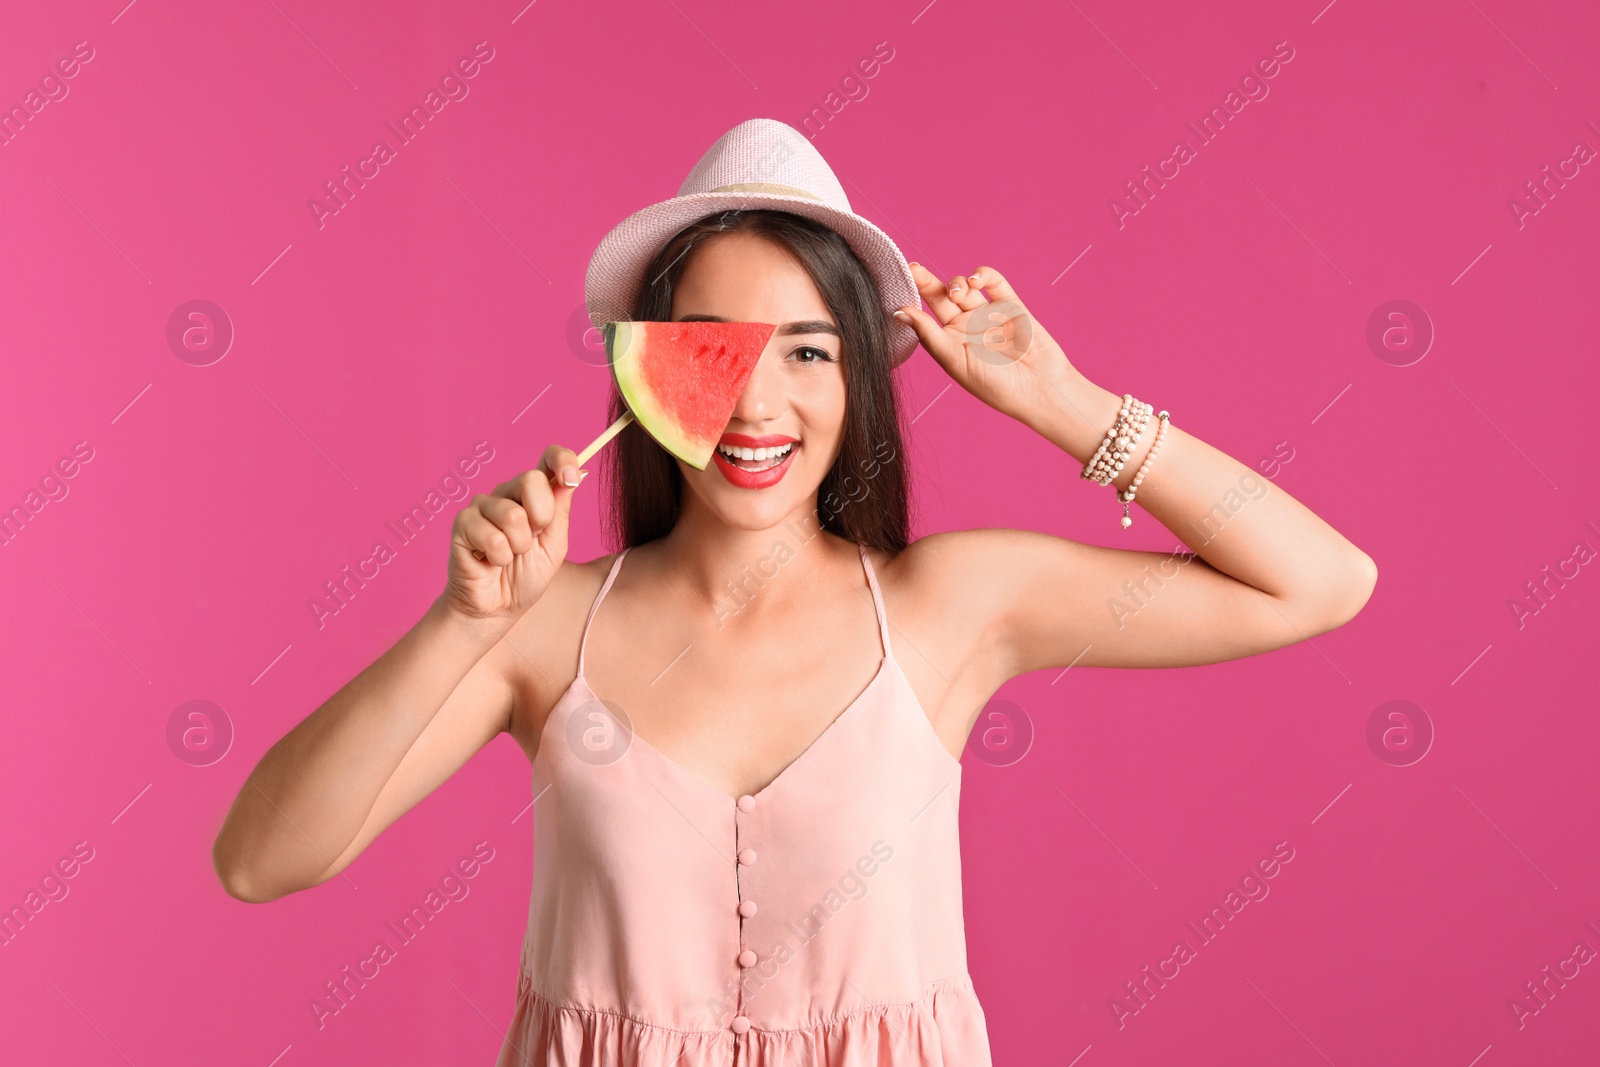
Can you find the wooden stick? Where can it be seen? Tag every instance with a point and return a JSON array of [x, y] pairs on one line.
[[599, 442]]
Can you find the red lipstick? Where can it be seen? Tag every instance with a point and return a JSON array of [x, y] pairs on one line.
[[743, 479]]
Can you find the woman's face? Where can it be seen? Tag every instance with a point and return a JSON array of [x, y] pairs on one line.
[[796, 394]]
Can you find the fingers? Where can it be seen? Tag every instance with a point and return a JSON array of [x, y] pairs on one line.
[[963, 294], [562, 466], [997, 327], [504, 524], [934, 294], [486, 541], [994, 283], [930, 332], [534, 491], [511, 520], [550, 526]]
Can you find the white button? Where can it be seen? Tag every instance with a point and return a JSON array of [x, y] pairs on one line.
[[747, 802], [740, 1024]]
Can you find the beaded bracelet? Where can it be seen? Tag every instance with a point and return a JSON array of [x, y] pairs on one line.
[[1127, 441], [1126, 496], [1094, 460], [1119, 442]]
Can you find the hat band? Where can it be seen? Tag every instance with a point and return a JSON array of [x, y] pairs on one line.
[[764, 187]]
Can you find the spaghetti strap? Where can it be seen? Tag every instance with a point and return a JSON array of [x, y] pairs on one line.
[[611, 576], [877, 601]]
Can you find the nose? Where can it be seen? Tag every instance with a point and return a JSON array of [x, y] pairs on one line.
[[763, 396]]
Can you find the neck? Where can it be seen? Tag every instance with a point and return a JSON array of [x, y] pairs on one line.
[[742, 575]]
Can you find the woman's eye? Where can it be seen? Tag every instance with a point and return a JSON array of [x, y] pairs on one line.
[[822, 353]]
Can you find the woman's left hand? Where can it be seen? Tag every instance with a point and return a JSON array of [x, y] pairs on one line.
[[995, 349]]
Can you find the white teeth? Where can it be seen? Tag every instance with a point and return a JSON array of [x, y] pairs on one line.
[[755, 453]]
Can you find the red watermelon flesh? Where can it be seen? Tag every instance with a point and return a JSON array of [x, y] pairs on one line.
[[682, 380]]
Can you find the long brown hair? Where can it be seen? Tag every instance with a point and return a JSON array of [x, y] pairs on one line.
[[864, 496]]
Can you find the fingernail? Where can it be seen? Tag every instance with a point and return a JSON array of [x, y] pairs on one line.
[[973, 278], [569, 476], [956, 286], [902, 315]]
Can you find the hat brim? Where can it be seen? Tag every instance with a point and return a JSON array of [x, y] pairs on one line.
[[616, 270]]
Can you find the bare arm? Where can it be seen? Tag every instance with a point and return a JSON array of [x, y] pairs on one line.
[[304, 811], [413, 717], [1266, 571]]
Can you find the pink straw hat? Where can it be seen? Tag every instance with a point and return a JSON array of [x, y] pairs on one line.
[[760, 163]]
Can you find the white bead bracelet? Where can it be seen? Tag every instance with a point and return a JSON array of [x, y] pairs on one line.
[[1126, 496], [1119, 442]]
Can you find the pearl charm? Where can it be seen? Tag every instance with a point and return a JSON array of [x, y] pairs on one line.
[[1155, 446]]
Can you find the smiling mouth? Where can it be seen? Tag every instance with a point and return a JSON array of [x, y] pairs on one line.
[[761, 458]]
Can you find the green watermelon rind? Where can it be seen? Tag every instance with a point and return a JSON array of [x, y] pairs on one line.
[[624, 341]]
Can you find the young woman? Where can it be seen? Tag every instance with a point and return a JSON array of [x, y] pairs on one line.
[[727, 868]]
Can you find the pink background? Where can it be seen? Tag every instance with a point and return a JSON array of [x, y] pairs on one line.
[[436, 310]]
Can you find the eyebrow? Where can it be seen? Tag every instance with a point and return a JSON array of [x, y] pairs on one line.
[[787, 329]]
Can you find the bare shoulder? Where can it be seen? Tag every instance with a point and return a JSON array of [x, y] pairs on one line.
[[955, 572], [941, 611], [952, 569], [541, 649], [937, 549]]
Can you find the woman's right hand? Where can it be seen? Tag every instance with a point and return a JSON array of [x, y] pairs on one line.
[[506, 546]]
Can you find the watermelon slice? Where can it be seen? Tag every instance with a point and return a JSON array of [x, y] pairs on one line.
[[682, 380]]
